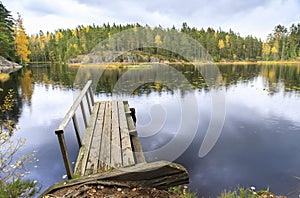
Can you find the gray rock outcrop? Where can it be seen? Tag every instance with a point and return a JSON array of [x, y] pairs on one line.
[[7, 66]]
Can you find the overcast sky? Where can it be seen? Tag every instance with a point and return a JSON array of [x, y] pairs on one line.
[[248, 17]]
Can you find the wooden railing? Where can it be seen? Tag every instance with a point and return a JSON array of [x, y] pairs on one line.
[[85, 93]]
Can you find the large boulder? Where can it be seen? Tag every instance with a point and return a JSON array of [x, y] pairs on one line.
[[7, 66]]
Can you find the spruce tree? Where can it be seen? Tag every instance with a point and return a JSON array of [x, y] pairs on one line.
[[7, 49]]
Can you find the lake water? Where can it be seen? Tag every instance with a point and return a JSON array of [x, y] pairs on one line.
[[259, 143]]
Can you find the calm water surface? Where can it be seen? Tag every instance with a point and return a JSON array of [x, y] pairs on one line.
[[259, 143]]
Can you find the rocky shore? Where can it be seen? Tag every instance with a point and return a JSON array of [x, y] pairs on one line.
[[7, 66]]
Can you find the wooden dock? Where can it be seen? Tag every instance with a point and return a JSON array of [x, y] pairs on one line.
[[110, 140], [110, 148]]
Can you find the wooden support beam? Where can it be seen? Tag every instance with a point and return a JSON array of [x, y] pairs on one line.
[[91, 96], [88, 102], [83, 114], [76, 128], [64, 152], [133, 132], [135, 142]]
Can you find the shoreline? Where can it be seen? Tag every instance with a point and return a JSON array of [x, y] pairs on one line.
[[260, 63], [129, 65]]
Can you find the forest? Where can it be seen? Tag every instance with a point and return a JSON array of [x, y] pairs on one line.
[[64, 45]]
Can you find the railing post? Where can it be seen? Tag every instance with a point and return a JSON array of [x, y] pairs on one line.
[[64, 151], [92, 95], [76, 127], [72, 115], [83, 114], [88, 102]]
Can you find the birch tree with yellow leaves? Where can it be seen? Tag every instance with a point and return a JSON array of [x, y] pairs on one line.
[[21, 41]]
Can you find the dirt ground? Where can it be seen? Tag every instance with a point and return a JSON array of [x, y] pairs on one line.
[[93, 191]]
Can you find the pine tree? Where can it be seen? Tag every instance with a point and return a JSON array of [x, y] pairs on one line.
[[7, 49], [21, 41]]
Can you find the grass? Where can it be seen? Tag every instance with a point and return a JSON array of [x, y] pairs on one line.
[[182, 191], [241, 192], [18, 188]]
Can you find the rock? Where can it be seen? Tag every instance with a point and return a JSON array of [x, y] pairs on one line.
[[7, 66], [93, 190], [134, 189]]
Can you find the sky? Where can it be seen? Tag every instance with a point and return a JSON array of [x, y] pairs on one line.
[[247, 17]]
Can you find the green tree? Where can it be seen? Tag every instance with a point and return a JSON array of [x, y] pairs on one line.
[[69, 44], [7, 49], [293, 41]]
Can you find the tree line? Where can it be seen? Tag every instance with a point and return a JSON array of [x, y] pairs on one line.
[[63, 45]]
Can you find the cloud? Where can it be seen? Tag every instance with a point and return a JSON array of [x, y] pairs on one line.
[[41, 8], [255, 17], [262, 20]]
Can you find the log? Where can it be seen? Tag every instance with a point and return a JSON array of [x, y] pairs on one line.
[[159, 174]]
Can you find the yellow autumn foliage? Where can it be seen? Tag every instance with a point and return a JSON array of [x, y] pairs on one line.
[[221, 44], [4, 77], [157, 40], [227, 37], [275, 47], [58, 36], [266, 48], [21, 41]]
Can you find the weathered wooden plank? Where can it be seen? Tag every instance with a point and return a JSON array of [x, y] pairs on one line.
[[116, 157], [137, 149], [105, 150], [127, 155], [159, 174], [93, 160], [154, 170], [84, 150], [135, 142]]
